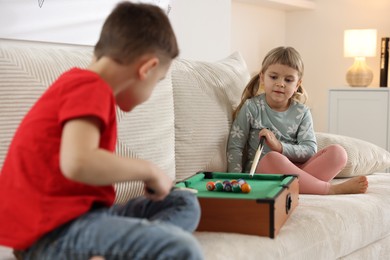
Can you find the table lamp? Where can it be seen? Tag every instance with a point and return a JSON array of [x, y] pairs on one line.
[[359, 44]]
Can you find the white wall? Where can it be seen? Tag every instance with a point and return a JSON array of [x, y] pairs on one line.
[[256, 30], [202, 26], [318, 35], [64, 21]]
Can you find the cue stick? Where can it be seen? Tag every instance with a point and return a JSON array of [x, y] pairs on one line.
[[257, 156]]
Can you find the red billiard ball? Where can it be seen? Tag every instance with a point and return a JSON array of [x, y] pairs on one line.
[[210, 186]]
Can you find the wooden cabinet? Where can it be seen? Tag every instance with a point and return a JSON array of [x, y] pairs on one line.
[[362, 113]]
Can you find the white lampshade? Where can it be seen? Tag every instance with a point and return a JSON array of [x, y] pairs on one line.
[[360, 43]]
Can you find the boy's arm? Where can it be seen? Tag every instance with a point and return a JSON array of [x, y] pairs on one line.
[[83, 161]]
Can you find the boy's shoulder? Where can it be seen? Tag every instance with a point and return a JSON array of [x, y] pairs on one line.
[[75, 77]]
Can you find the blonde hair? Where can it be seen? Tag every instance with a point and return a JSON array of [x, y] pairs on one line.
[[280, 55]]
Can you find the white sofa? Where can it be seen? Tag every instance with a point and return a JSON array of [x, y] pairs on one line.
[[184, 129]]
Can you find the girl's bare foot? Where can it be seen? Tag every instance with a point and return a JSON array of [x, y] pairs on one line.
[[354, 185], [97, 258]]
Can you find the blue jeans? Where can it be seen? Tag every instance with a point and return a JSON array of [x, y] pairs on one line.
[[140, 229]]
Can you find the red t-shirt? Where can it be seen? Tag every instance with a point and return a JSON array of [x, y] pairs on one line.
[[35, 197]]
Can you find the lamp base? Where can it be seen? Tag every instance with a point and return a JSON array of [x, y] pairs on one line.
[[359, 74]]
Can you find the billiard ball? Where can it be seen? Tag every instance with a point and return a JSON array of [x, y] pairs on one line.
[[225, 181], [218, 186], [227, 187], [210, 186], [246, 188], [236, 187], [241, 181]]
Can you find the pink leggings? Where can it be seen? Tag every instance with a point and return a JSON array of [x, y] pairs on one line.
[[315, 174]]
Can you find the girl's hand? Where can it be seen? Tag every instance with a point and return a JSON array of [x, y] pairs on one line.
[[273, 143]]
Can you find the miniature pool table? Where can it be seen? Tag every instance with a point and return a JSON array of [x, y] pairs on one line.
[[262, 211]]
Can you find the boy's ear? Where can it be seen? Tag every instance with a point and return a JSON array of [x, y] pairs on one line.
[[146, 66]]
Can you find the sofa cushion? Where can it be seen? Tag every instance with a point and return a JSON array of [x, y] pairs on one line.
[[363, 157], [26, 70], [205, 94]]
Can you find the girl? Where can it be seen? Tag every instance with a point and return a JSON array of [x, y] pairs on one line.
[[272, 107]]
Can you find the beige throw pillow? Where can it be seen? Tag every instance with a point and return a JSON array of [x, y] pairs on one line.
[[205, 94], [364, 158]]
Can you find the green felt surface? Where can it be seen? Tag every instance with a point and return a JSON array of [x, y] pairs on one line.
[[264, 186]]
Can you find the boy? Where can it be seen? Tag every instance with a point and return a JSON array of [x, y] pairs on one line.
[[56, 183]]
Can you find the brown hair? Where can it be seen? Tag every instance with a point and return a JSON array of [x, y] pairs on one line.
[[132, 30], [279, 55]]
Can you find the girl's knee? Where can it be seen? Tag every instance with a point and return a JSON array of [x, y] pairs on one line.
[[338, 153], [274, 157], [271, 162]]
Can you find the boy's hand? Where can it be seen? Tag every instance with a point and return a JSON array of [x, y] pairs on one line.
[[159, 186], [271, 140]]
